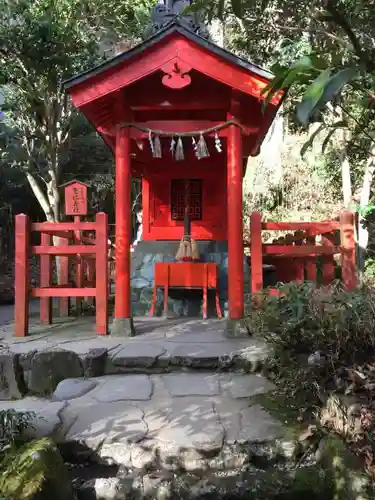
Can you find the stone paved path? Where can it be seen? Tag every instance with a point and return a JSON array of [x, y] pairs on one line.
[[7, 312], [71, 349], [180, 395], [192, 421]]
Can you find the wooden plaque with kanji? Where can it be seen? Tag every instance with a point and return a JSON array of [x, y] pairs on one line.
[[75, 198]]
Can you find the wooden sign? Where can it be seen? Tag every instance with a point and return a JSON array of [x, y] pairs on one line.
[[75, 198]]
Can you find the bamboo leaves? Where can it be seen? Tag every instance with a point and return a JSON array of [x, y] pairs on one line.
[[324, 86], [312, 96], [332, 128]]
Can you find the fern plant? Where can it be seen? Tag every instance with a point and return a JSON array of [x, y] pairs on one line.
[[12, 426]]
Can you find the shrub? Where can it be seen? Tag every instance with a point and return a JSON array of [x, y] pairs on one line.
[[12, 426], [319, 336], [34, 471]]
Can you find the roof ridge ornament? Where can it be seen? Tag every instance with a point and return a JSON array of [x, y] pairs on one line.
[[166, 12]]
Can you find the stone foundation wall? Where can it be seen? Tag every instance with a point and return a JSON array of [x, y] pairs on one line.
[[181, 302]]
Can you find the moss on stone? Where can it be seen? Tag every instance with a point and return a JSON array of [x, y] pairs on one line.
[[35, 471], [345, 469], [309, 483], [281, 410]]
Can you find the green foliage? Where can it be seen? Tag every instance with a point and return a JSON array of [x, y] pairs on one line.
[[43, 43], [12, 426], [322, 86], [370, 267], [322, 52], [291, 188], [34, 471], [345, 470], [336, 324], [119, 20]]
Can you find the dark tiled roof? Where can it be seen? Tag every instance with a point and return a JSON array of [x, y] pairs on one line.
[[173, 27]]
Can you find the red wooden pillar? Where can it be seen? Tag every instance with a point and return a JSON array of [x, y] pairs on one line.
[[256, 253], [122, 320], [21, 281], [235, 224], [348, 253], [45, 281], [101, 273]]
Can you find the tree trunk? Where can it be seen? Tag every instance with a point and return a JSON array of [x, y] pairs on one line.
[[363, 234], [50, 205], [41, 197], [343, 137], [346, 180], [53, 193]]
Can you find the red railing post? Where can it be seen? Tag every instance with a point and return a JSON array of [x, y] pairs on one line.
[[311, 262], [90, 277], [328, 261], [101, 273], [299, 264], [78, 266], [45, 281], [63, 275], [256, 252], [348, 250], [21, 282]]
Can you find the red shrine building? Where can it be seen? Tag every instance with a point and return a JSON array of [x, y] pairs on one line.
[[180, 113]]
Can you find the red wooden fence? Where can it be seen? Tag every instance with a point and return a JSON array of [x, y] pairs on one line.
[[295, 255], [70, 244]]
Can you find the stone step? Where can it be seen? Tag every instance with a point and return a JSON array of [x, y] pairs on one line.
[[182, 435], [36, 364], [189, 421]]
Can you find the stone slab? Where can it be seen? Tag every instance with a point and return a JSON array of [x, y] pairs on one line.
[[192, 384], [193, 424], [34, 346], [137, 354], [258, 426], [47, 420], [82, 346], [203, 355], [122, 388], [105, 424], [229, 412], [248, 386], [163, 344], [71, 388], [173, 428], [197, 331], [27, 404]]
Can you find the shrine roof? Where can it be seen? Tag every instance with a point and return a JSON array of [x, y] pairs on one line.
[[174, 27], [105, 92]]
